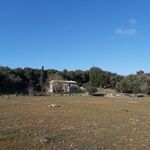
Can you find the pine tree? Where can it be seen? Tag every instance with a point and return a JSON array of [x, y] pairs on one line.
[[42, 79]]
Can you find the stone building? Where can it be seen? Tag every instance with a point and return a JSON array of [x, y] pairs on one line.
[[62, 86]]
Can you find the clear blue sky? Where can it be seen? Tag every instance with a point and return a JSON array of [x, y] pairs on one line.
[[76, 34]]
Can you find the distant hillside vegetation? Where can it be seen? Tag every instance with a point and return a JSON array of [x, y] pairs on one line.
[[30, 81]]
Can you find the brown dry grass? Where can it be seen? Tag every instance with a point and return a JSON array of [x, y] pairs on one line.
[[82, 123]]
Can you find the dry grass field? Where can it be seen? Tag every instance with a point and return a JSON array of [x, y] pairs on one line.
[[82, 123]]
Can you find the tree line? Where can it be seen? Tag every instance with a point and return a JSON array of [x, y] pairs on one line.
[[32, 81]]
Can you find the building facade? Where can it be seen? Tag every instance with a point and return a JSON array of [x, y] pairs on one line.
[[62, 86]]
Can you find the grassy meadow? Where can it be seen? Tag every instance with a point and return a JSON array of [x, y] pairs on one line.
[[81, 123]]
